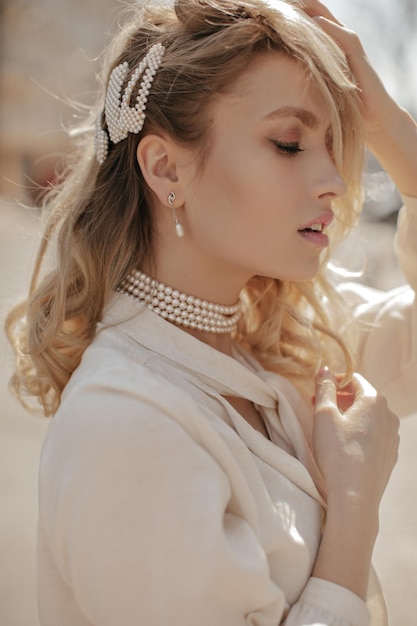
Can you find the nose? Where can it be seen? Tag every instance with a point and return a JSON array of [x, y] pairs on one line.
[[328, 182]]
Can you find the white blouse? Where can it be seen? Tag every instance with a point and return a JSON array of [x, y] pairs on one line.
[[161, 506]]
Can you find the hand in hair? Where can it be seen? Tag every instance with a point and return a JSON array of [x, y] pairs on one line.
[[391, 131]]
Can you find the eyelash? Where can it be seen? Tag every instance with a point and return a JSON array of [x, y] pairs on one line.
[[288, 149]]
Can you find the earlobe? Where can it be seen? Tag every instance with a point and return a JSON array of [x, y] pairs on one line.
[[157, 160]]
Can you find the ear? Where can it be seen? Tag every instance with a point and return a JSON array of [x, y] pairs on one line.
[[158, 160]]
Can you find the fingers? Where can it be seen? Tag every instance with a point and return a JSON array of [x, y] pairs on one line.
[[325, 393], [346, 39], [362, 387], [349, 445], [314, 8], [329, 395], [368, 402]]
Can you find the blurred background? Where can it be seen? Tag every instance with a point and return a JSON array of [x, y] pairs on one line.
[[48, 57]]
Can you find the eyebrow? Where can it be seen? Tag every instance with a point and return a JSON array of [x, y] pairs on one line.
[[306, 117]]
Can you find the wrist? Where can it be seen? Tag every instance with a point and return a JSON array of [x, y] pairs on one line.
[[394, 127], [394, 144], [347, 544], [353, 515]]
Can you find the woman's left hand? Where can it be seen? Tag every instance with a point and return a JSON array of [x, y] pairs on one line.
[[376, 101], [391, 133]]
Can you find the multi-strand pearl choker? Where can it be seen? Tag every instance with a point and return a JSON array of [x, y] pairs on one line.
[[180, 308]]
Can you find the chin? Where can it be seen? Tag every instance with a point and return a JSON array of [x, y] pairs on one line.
[[295, 272]]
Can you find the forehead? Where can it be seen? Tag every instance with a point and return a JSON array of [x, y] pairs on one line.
[[276, 85]]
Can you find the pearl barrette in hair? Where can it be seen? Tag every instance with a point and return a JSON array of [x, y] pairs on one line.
[[179, 307], [121, 118]]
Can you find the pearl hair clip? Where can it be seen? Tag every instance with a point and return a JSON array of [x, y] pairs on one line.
[[121, 118]]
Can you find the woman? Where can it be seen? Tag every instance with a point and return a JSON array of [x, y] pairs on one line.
[[207, 462]]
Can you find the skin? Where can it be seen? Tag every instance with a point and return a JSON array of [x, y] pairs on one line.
[[244, 213], [242, 225], [242, 216], [391, 131], [365, 436], [237, 226]]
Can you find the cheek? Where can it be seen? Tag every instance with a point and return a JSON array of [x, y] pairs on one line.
[[244, 205], [221, 193], [245, 202]]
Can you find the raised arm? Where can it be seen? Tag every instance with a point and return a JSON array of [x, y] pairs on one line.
[[391, 131]]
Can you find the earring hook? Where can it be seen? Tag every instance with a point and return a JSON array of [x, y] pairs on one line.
[[179, 230]]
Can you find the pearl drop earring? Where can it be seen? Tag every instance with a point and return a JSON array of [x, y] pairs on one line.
[[179, 230]]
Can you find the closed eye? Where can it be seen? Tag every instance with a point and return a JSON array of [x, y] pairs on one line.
[[288, 149]]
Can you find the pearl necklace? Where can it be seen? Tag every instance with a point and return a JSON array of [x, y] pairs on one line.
[[180, 308]]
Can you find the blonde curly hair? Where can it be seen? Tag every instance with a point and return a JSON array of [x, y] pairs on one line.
[[100, 218]]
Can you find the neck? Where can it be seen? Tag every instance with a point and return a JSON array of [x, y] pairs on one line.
[[179, 263], [209, 322]]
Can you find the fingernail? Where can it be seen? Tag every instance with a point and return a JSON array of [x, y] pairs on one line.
[[324, 373]]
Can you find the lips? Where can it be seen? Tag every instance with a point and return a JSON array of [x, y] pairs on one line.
[[317, 228], [318, 224], [312, 232]]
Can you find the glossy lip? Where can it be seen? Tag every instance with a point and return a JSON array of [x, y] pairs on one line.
[[325, 219], [316, 238]]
